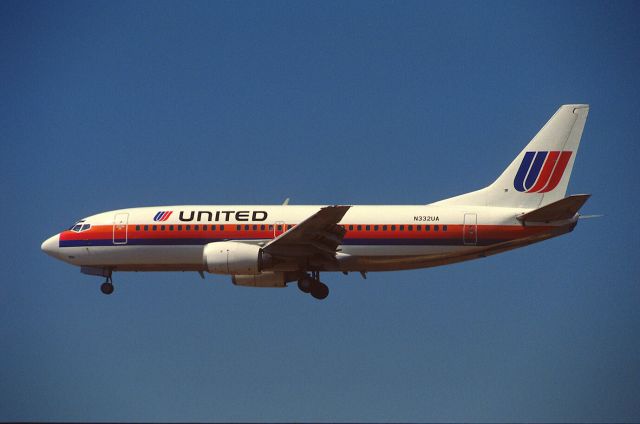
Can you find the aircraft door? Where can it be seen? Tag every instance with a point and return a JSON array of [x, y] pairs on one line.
[[470, 229], [120, 233]]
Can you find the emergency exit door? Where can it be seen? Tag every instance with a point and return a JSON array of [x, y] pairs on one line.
[[279, 228]]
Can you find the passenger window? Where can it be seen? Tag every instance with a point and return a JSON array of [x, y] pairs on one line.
[[427, 227], [393, 228], [238, 227], [384, 228], [155, 228], [179, 227], [170, 227], [204, 227], [270, 227], [162, 228], [444, 228], [359, 227], [255, 227], [146, 228], [213, 228], [222, 228], [436, 228], [279, 227], [246, 227], [368, 227], [350, 227], [196, 227], [410, 227], [187, 227], [418, 227], [262, 227], [375, 228], [402, 228]]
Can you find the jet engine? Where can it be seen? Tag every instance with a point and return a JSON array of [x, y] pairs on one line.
[[231, 257]]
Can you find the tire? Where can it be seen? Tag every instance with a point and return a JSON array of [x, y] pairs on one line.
[[320, 291], [305, 285], [106, 288]]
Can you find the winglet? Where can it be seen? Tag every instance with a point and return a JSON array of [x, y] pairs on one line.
[[286, 202]]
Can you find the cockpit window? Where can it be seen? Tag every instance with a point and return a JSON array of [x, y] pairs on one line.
[[80, 226], [76, 226]]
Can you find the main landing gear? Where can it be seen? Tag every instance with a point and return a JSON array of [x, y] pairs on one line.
[[107, 286], [312, 284]]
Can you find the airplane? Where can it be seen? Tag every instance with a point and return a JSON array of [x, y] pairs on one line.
[[273, 246]]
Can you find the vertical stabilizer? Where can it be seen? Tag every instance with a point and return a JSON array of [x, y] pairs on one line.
[[540, 174]]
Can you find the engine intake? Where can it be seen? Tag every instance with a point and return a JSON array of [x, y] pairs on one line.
[[231, 257]]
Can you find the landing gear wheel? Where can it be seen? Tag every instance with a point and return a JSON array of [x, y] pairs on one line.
[[106, 287], [319, 290], [305, 285]]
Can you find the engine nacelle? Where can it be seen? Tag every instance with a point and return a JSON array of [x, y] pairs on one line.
[[264, 279], [231, 257]]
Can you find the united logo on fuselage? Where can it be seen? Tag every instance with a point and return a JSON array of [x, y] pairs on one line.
[[213, 216], [162, 215], [540, 172]]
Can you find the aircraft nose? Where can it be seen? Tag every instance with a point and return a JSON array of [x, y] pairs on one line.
[[50, 245]]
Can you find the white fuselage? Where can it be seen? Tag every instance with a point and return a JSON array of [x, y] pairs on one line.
[[378, 238]]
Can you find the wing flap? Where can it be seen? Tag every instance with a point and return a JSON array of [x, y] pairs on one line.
[[319, 235]]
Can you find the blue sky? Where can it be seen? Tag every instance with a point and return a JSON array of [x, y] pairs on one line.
[[106, 105]]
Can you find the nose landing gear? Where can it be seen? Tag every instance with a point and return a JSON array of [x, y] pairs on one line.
[[312, 284], [107, 286]]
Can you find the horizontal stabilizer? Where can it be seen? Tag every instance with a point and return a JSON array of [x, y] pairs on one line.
[[557, 211]]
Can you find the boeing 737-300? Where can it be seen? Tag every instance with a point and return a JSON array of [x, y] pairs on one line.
[[271, 246]]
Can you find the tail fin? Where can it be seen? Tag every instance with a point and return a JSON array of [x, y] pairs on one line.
[[539, 175]]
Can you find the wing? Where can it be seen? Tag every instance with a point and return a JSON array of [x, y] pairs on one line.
[[317, 236]]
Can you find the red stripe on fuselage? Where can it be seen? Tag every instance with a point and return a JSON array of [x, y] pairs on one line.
[[455, 231]]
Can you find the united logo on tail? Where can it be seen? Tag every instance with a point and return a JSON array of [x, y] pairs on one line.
[[541, 172]]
